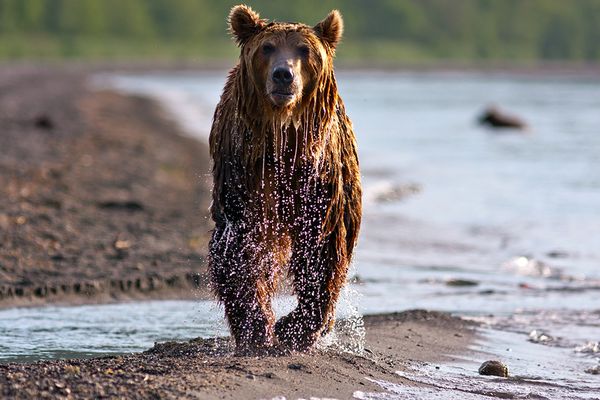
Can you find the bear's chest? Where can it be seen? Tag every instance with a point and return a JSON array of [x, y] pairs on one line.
[[286, 190]]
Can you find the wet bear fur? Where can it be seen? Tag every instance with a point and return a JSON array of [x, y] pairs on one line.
[[287, 194]]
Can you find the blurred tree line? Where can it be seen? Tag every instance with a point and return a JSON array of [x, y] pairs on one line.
[[385, 30]]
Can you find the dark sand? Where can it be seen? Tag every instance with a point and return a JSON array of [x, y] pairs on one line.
[[207, 369], [102, 198]]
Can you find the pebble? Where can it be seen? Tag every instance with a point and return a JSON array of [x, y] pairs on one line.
[[536, 336], [594, 370], [495, 368], [461, 282]]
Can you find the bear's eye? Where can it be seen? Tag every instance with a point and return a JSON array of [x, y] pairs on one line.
[[268, 48], [303, 50]]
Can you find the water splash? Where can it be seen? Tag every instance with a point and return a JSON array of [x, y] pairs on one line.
[[349, 333]]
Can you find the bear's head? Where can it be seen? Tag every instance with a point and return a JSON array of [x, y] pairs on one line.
[[285, 62]]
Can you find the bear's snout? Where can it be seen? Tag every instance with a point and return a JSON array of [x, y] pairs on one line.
[[283, 84], [283, 75]]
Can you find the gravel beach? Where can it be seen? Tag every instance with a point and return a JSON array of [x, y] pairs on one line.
[[103, 198], [208, 369]]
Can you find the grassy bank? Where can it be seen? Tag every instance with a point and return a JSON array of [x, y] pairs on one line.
[[41, 48], [410, 31]]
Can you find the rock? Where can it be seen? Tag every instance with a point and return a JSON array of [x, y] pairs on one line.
[[494, 368], [397, 192], [40, 291], [57, 257], [589, 348], [461, 282], [594, 370], [44, 122], [4, 222], [131, 205], [121, 244], [557, 254], [495, 118], [536, 336]]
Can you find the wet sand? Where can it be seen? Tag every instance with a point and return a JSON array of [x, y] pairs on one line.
[[103, 198], [207, 369]]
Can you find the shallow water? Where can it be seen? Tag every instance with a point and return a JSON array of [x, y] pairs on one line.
[[43, 333], [553, 373], [30, 334], [502, 228]]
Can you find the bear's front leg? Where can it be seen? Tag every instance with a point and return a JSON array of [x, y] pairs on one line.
[[319, 270], [241, 279]]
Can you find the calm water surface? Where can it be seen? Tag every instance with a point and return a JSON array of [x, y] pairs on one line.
[[499, 227]]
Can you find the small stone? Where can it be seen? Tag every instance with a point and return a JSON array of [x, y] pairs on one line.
[[557, 254], [121, 244], [43, 121], [4, 222], [594, 370], [495, 368], [72, 369], [57, 257], [536, 336], [461, 282]]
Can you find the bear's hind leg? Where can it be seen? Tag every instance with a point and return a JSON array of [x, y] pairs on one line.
[[242, 279], [319, 273]]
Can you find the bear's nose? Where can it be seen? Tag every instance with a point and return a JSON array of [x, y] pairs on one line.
[[283, 75]]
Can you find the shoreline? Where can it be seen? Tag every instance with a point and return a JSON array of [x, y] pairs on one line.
[[207, 368], [105, 198], [543, 69]]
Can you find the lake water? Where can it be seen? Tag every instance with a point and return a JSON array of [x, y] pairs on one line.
[[503, 228]]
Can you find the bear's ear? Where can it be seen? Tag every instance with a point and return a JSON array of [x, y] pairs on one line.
[[244, 23], [331, 28]]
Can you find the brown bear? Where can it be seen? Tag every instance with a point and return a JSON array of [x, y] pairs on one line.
[[287, 194]]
